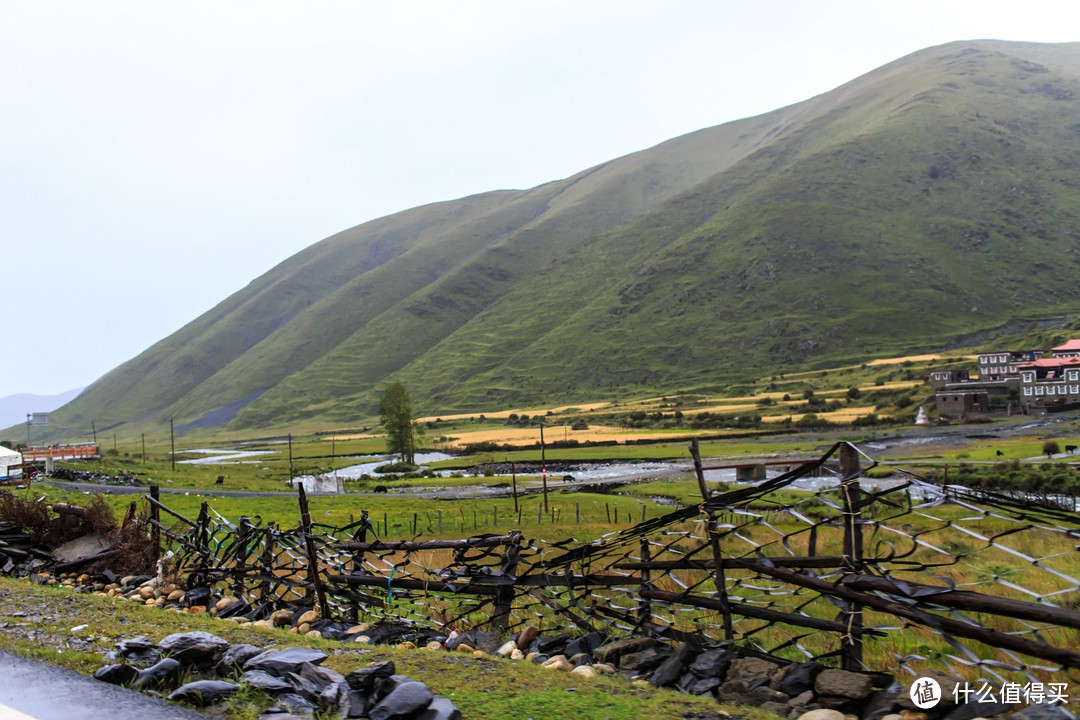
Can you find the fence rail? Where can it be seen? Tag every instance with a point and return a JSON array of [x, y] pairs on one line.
[[864, 577]]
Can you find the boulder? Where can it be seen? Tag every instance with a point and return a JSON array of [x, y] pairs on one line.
[[750, 669], [262, 680], [203, 692], [672, 669], [822, 714], [139, 651], [404, 700], [613, 651], [282, 662], [526, 637], [712, 664], [234, 658], [163, 672], [587, 643], [440, 708], [843, 683], [800, 678], [116, 674], [364, 679], [198, 649]]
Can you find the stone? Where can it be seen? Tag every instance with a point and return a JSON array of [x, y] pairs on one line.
[[645, 661], [581, 659], [822, 714], [476, 639], [307, 618], [234, 658], [977, 710], [146, 593], [1041, 712], [404, 700], [526, 637], [407, 645], [281, 617], [734, 692], [703, 686], [479, 654], [806, 697], [712, 664], [604, 668], [585, 671], [297, 704], [913, 715], [163, 672], [800, 678], [892, 716], [750, 669], [506, 649], [226, 602], [440, 708], [364, 678], [764, 694], [559, 662], [517, 655], [671, 669], [199, 649], [357, 629], [139, 651], [843, 683], [116, 674], [282, 662], [303, 628], [262, 680], [613, 651], [462, 647], [777, 708], [317, 634], [362, 640], [433, 645], [203, 692], [587, 643]]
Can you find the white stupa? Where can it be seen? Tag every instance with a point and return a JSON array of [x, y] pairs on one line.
[[921, 418]]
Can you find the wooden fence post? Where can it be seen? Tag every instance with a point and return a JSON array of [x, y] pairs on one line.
[[202, 530], [155, 520], [313, 557], [504, 596], [360, 536], [645, 609], [851, 492], [719, 579], [267, 562], [241, 555]]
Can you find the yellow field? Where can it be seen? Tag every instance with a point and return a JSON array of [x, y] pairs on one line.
[[552, 433]]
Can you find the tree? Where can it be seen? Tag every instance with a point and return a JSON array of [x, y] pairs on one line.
[[1051, 448], [396, 414]]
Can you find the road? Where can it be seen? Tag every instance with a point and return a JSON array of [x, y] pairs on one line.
[[34, 689]]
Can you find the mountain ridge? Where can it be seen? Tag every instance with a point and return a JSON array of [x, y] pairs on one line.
[[785, 236]]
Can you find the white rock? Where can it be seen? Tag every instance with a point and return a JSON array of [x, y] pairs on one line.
[[507, 649], [822, 714]]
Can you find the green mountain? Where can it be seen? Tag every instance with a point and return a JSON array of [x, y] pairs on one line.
[[936, 196]]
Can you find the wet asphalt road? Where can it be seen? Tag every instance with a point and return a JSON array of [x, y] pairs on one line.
[[46, 692]]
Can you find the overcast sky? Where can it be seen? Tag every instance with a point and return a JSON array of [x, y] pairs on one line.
[[156, 157]]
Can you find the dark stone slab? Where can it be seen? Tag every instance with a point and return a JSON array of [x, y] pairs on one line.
[[440, 709], [364, 679], [203, 692], [198, 649], [403, 701], [266, 682], [163, 672], [712, 664], [587, 643], [613, 651], [139, 650], [800, 678], [672, 669], [283, 662], [233, 659], [116, 674]]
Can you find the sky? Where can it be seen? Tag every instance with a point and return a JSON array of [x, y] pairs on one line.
[[157, 157]]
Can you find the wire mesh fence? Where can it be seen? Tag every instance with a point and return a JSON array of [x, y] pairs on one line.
[[818, 563]]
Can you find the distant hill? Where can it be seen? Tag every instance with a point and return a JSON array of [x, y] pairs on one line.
[[15, 408], [936, 196]]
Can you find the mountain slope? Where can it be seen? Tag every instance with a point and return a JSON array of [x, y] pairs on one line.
[[932, 197]]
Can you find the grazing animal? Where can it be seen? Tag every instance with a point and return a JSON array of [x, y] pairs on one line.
[[1070, 449], [220, 480], [1000, 454], [381, 488], [568, 478]]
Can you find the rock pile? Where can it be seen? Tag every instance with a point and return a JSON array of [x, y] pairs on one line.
[[293, 676]]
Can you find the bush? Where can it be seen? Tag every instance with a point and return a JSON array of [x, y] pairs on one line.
[[398, 467]]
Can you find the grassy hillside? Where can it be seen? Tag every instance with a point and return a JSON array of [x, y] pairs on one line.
[[934, 197]]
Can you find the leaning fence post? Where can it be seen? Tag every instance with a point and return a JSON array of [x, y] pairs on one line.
[[267, 562], [504, 596], [645, 609], [851, 492], [155, 520], [202, 533], [240, 568], [714, 541], [313, 557], [360, 536]]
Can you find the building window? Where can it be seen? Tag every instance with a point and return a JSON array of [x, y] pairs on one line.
[[1027, 391]]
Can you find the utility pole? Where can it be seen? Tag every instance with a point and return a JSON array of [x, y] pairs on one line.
[[172, 444], [93, 426], [144, 448], [28, 430], [543, 464], [290, 461]]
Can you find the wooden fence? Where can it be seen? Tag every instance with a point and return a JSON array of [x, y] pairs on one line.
[[859, 577]]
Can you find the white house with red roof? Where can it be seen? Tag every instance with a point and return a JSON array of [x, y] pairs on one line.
[[1069, 349], [1052, 382]]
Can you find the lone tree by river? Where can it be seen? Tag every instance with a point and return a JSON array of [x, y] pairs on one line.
[[396, 414]]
